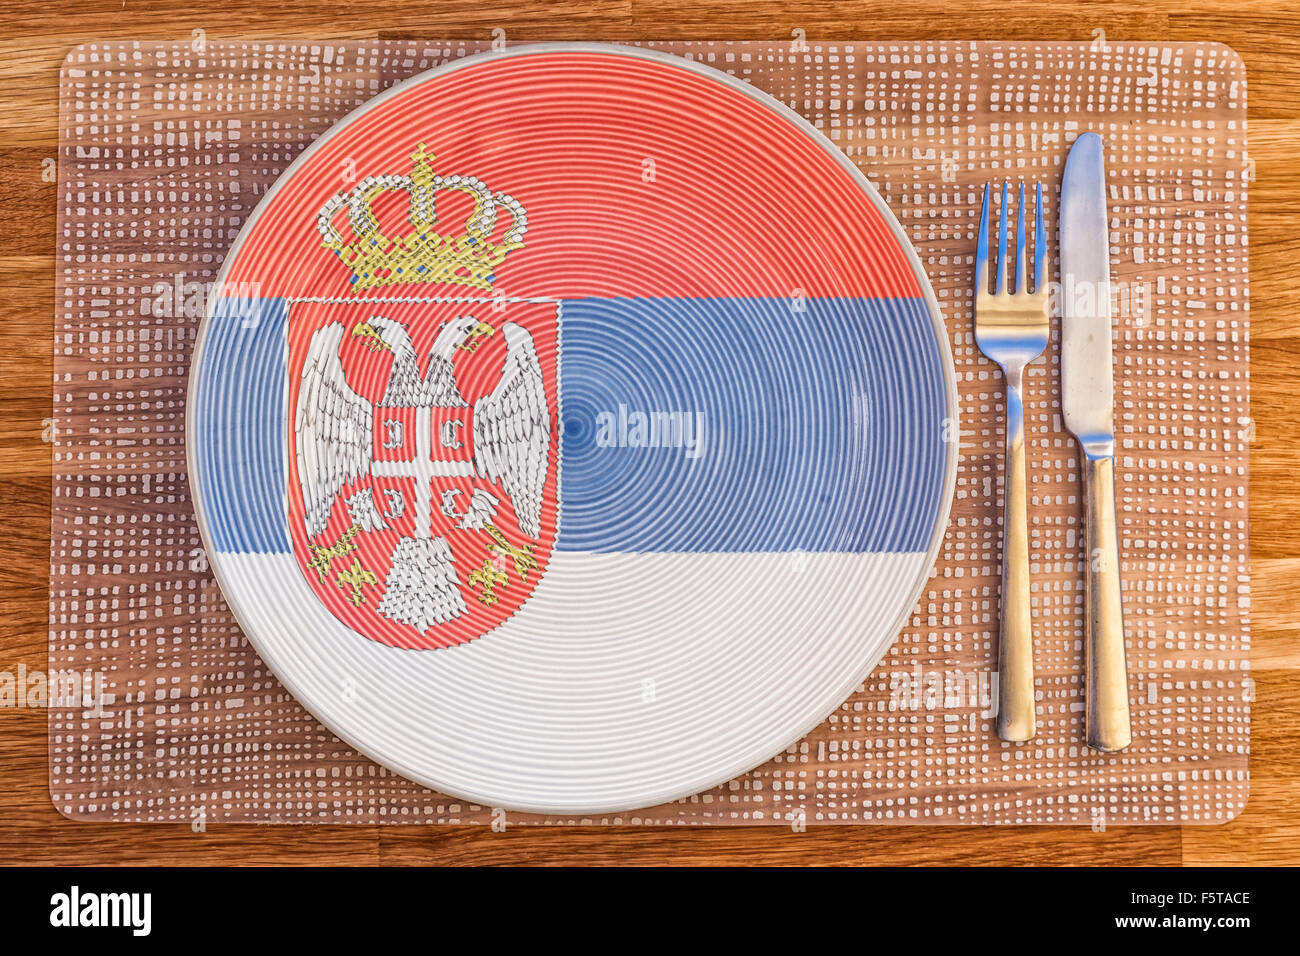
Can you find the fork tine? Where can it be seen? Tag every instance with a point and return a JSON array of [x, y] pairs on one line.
[[1040, 243], [1021, 278], [1001, 275], [982, 248]]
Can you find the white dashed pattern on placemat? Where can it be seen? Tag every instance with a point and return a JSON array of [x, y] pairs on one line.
[[162, 711]]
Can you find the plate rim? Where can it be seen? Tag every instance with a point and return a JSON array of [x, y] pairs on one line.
[[749, 760]]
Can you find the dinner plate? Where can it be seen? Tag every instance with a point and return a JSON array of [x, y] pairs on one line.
[[572, 428]]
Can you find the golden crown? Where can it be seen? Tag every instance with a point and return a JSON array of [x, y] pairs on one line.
[[467, 257]]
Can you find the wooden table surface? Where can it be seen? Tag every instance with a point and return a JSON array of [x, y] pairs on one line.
[[33, 41]]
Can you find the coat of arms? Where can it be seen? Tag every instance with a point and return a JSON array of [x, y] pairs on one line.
[[424, 425]]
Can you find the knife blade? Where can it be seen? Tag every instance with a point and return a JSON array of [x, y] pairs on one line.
[[1087, 383], [1088, 407]]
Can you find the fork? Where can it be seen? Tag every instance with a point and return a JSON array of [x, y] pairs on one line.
[[1011, 329]]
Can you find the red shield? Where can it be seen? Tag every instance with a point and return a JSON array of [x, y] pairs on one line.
[[422, 454]]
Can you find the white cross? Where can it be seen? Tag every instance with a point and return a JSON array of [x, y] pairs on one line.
[[424, 468]]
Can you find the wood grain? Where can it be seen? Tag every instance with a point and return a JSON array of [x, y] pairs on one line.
[[33, 41]]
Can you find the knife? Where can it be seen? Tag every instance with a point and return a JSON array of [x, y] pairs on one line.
[[1088, 403]]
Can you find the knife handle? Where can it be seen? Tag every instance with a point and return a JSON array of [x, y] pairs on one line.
[[1016, 718], [1108, 725]]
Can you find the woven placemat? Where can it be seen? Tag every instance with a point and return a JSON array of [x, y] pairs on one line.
[[160, 710]]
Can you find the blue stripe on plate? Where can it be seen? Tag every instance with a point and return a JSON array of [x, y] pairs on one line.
[[770, 425], [822, 425], [240, 415]]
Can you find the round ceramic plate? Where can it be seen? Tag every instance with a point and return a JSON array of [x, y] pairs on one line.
[[570, 429]]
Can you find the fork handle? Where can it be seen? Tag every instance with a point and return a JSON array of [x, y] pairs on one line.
[[1016, 718], [1108, 726]]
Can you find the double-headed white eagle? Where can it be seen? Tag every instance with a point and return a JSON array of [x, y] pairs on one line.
[[333, 424]]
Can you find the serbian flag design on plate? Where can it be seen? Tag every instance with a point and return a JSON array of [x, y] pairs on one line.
[[537, 309]]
